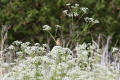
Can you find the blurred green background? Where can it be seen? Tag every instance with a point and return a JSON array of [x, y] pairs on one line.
[[26, 17]]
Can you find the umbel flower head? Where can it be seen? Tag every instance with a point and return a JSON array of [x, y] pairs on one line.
[[57, 26], [87, 19], [84, 9], [46, 27]]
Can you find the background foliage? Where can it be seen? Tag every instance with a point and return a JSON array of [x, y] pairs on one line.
[[28, 16]]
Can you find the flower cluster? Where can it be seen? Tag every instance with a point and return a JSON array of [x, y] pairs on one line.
[[59, 64], [84, 9], [57, 26], [46, 27], [91, 20], [74, 10], [21, 49]]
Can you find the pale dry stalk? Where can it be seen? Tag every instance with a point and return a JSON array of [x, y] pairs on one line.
[[4, 33]]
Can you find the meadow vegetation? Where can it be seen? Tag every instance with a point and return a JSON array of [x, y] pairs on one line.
[[84, 51]]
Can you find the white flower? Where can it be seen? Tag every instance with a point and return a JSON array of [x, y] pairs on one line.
[[45, 45], [11, 47], [67, 50], [46, 28], [66, 78], [87, 19], [80, 47], [65, 12], [68, 4], [76, 14], [70, 14], [23, 45], [27, 43], [62, 65], [77, 5], [114, 49], [37, 44], [20, 53], [57, 26], [84, 9], [17, 42], [5, 64], [73, 7], [93, 47], [57, 50], [59, 64], [96, 21]]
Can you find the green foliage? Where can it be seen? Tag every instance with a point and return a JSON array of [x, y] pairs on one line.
[[28, 16]]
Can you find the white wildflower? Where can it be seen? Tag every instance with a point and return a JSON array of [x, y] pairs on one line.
[[27, 43], [5, 64], [65, 12], [80, 47], [70, 14], [73, 7], [84, 9], [93, 47], [11, 47], [66, 78], [60, 64], [57, 50], [87, 19], [96, 21], [114, 49], [46, 28], [76, 14], [17, 42], [57, 26], [77, 5], [68, 4], [45, 45], [23, 46], [20, 53], [67, 50], [37, 44]]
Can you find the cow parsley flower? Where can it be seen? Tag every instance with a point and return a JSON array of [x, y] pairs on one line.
[[46, 28], [73, 7], [96, 21], [66, 78], [37, 44], [17, 42], [11, 47], [87, 19], [27, 43], [5, 65], [70, 14], [114, 49], [84, 9], [68, 4], [77, 5], [60, 64], [20, 53], [76, 14], [57, 26], [65, 12]]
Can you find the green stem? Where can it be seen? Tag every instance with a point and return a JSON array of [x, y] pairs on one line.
[[72, 21], [56, 32], [52, 36], [72, 30]]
